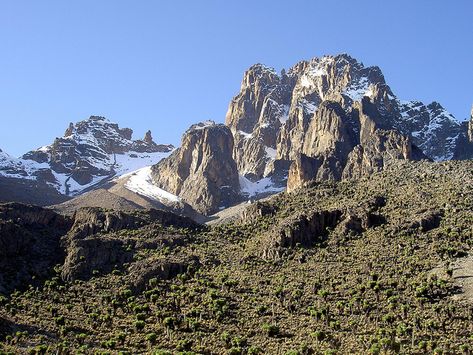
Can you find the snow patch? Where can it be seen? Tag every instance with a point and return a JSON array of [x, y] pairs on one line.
[[132, 161], [141, 182], [270, 153], [358, 89], [252, 189], [245, 135]]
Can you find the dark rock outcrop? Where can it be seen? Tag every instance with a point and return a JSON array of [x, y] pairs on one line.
[[30, 244], [92, 245], [89, 221], [305, 229], [143, 271], [202, 171], [88, 255]]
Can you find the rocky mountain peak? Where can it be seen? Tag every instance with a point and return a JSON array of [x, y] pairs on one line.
[[277, 117], [201, 171], [148, 137], [91, 152]]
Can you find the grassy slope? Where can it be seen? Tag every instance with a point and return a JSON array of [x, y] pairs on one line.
[[373, 292]]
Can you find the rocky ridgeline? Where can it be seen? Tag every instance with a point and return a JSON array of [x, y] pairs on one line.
[[316, 109], [90, 153], [328, 118]]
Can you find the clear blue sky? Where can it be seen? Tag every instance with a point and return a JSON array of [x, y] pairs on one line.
[[162, 65]]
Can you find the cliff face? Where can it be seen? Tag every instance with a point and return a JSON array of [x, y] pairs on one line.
[[317, 108], [201, 171], [340, 146]]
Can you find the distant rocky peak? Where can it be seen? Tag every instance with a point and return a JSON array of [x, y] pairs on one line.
[[260, 73], [437, 110], [201, 125], [148, 137], [98, 127]]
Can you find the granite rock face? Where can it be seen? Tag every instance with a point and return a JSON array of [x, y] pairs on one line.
[[333, 118], [202, 170]]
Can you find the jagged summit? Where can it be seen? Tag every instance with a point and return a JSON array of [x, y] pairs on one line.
[[271, 115], [91, 152]]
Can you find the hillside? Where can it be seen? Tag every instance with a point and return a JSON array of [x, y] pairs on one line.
[[357, 266]]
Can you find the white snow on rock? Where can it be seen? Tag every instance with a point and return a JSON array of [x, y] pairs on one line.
[[129, 162], [358, 89], [262, 186], [270, 153], [141, 182], [19, 168], [202, 125], [245, 134], [88, 139]]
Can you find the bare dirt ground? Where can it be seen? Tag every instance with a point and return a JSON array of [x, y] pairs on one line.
[[462, 275]]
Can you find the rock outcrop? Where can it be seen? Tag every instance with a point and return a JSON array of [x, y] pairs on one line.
[[29, 244], [93, 245], [304, 230], [202, 171], [33, 240], [303, 170]]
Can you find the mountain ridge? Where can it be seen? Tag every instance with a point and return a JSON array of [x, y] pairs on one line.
[[326, 118]]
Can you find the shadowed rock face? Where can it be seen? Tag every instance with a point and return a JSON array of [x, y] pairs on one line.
[[202, 171], [304, 230], [29, 244], [34, 239], [92, 246]]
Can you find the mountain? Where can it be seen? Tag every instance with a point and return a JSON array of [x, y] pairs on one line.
[[328, 118], [89, 155], [276, 117]]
